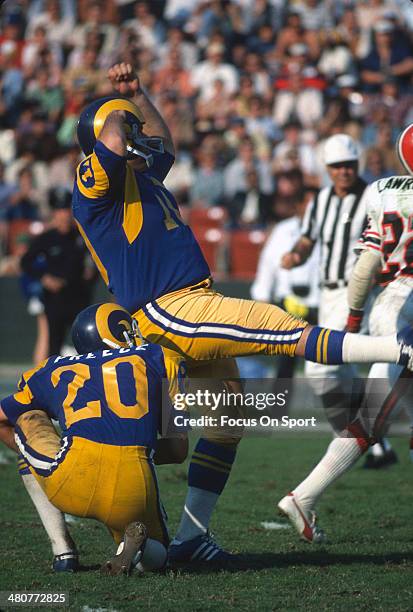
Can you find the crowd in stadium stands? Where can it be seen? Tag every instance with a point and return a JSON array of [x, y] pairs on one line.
[[249, 88]]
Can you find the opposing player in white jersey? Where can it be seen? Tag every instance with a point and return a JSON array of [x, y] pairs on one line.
[[334, 220], [386, 249]]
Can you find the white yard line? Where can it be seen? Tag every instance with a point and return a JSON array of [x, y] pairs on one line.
[[273, 525]]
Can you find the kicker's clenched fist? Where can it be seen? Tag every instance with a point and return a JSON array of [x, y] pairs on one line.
[[124, 79]]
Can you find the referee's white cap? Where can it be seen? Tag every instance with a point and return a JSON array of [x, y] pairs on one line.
[[340, 148]]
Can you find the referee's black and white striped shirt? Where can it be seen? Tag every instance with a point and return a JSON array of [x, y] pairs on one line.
[[337, 224]]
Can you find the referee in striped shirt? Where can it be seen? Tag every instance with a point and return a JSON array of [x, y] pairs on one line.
[[335, 219]]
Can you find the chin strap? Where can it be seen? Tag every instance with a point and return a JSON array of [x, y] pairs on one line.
[[110, 343]]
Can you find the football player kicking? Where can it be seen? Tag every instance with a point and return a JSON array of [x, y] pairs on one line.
[[385, 251], [108, 403], [152, 263]]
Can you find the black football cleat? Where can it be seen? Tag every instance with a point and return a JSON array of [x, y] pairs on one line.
[[377, 462], [67, 562], [201, 549]]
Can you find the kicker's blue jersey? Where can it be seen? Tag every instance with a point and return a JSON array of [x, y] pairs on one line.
[[133, 229], [111, 396]]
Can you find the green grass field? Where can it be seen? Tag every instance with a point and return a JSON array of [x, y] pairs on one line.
[[367, 564]]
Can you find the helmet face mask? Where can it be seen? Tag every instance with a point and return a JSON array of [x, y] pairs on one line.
[[94, 116], [103, 326], [139, 145]]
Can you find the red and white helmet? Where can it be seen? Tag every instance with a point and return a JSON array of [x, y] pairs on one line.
[[405, 148]]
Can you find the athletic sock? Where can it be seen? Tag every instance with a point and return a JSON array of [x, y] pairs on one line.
[[198, 508], [333, 347], [362, 349], [208, 473], [341, 454], [52, 519]]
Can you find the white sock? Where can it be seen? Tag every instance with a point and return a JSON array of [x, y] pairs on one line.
[[53, 520], [370, 349], [341, 454], [199, 505], [153, 558]]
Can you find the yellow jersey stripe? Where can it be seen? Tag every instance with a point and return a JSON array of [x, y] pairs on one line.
[[27, 375], [95, 257], [132, 207]]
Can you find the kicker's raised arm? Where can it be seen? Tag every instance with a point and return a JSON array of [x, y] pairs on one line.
[[126, 82]]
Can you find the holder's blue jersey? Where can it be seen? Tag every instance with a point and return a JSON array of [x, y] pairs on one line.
[[133, 229], [111, 396]]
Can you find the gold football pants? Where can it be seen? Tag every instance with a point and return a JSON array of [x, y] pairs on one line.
[[202, 324], [209, 329], [112, 484]]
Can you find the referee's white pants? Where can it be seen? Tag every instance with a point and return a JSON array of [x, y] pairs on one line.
[[333, 313]]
